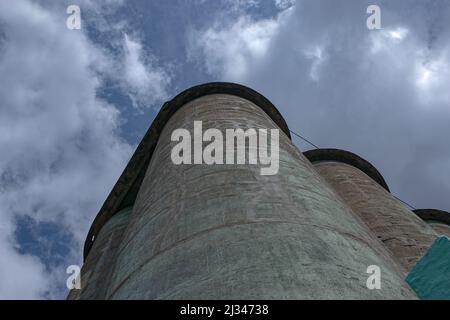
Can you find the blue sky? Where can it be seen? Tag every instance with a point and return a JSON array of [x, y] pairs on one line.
[[75, 103]]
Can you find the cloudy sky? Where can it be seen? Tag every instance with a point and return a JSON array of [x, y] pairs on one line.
[[75, 103]]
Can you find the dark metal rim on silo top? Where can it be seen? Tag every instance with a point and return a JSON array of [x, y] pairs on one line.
[[433, 215], [337, 155], [126, 188]]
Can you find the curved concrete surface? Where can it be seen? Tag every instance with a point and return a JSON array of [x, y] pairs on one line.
[[402, 232], [227, 232]]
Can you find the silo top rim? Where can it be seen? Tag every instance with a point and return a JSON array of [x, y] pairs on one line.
[[232, 89], [433, 215], [132, 176], [337, 155]]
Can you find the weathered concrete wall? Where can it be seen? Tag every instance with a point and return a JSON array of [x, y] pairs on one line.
[[98, 267], [440, 228], [437, 219], [226, 232], [430, 277], [402, 232]]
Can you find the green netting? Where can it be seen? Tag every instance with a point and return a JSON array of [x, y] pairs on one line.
[[430, 277]]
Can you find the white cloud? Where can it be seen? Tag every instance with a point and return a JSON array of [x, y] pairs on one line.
[[240, 5], [382, 94], [60, 149], [398, 33], [23, 276], [132, 68], [316, 55], [284, 4]]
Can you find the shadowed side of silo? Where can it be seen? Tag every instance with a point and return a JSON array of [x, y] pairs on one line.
[[365, 191], [227, 232]]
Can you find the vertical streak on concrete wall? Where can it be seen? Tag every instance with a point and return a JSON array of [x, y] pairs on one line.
[[402, 232], [98, 267], [226, 232]]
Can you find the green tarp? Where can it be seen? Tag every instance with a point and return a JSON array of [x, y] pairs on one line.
[[430, 277]]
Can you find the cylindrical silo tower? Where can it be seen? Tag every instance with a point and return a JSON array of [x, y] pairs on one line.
[[199, 231], [437, 219], [97, 268], [363, 188]]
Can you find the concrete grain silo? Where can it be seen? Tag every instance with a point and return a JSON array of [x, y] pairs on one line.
[[363, 188], [225, 231], [98, 264], [437, 219]]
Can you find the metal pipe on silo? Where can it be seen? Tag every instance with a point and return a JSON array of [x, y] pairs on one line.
[[228, 232], [363, 188]]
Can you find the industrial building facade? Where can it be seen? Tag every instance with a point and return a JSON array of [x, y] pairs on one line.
[[202, 231]]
